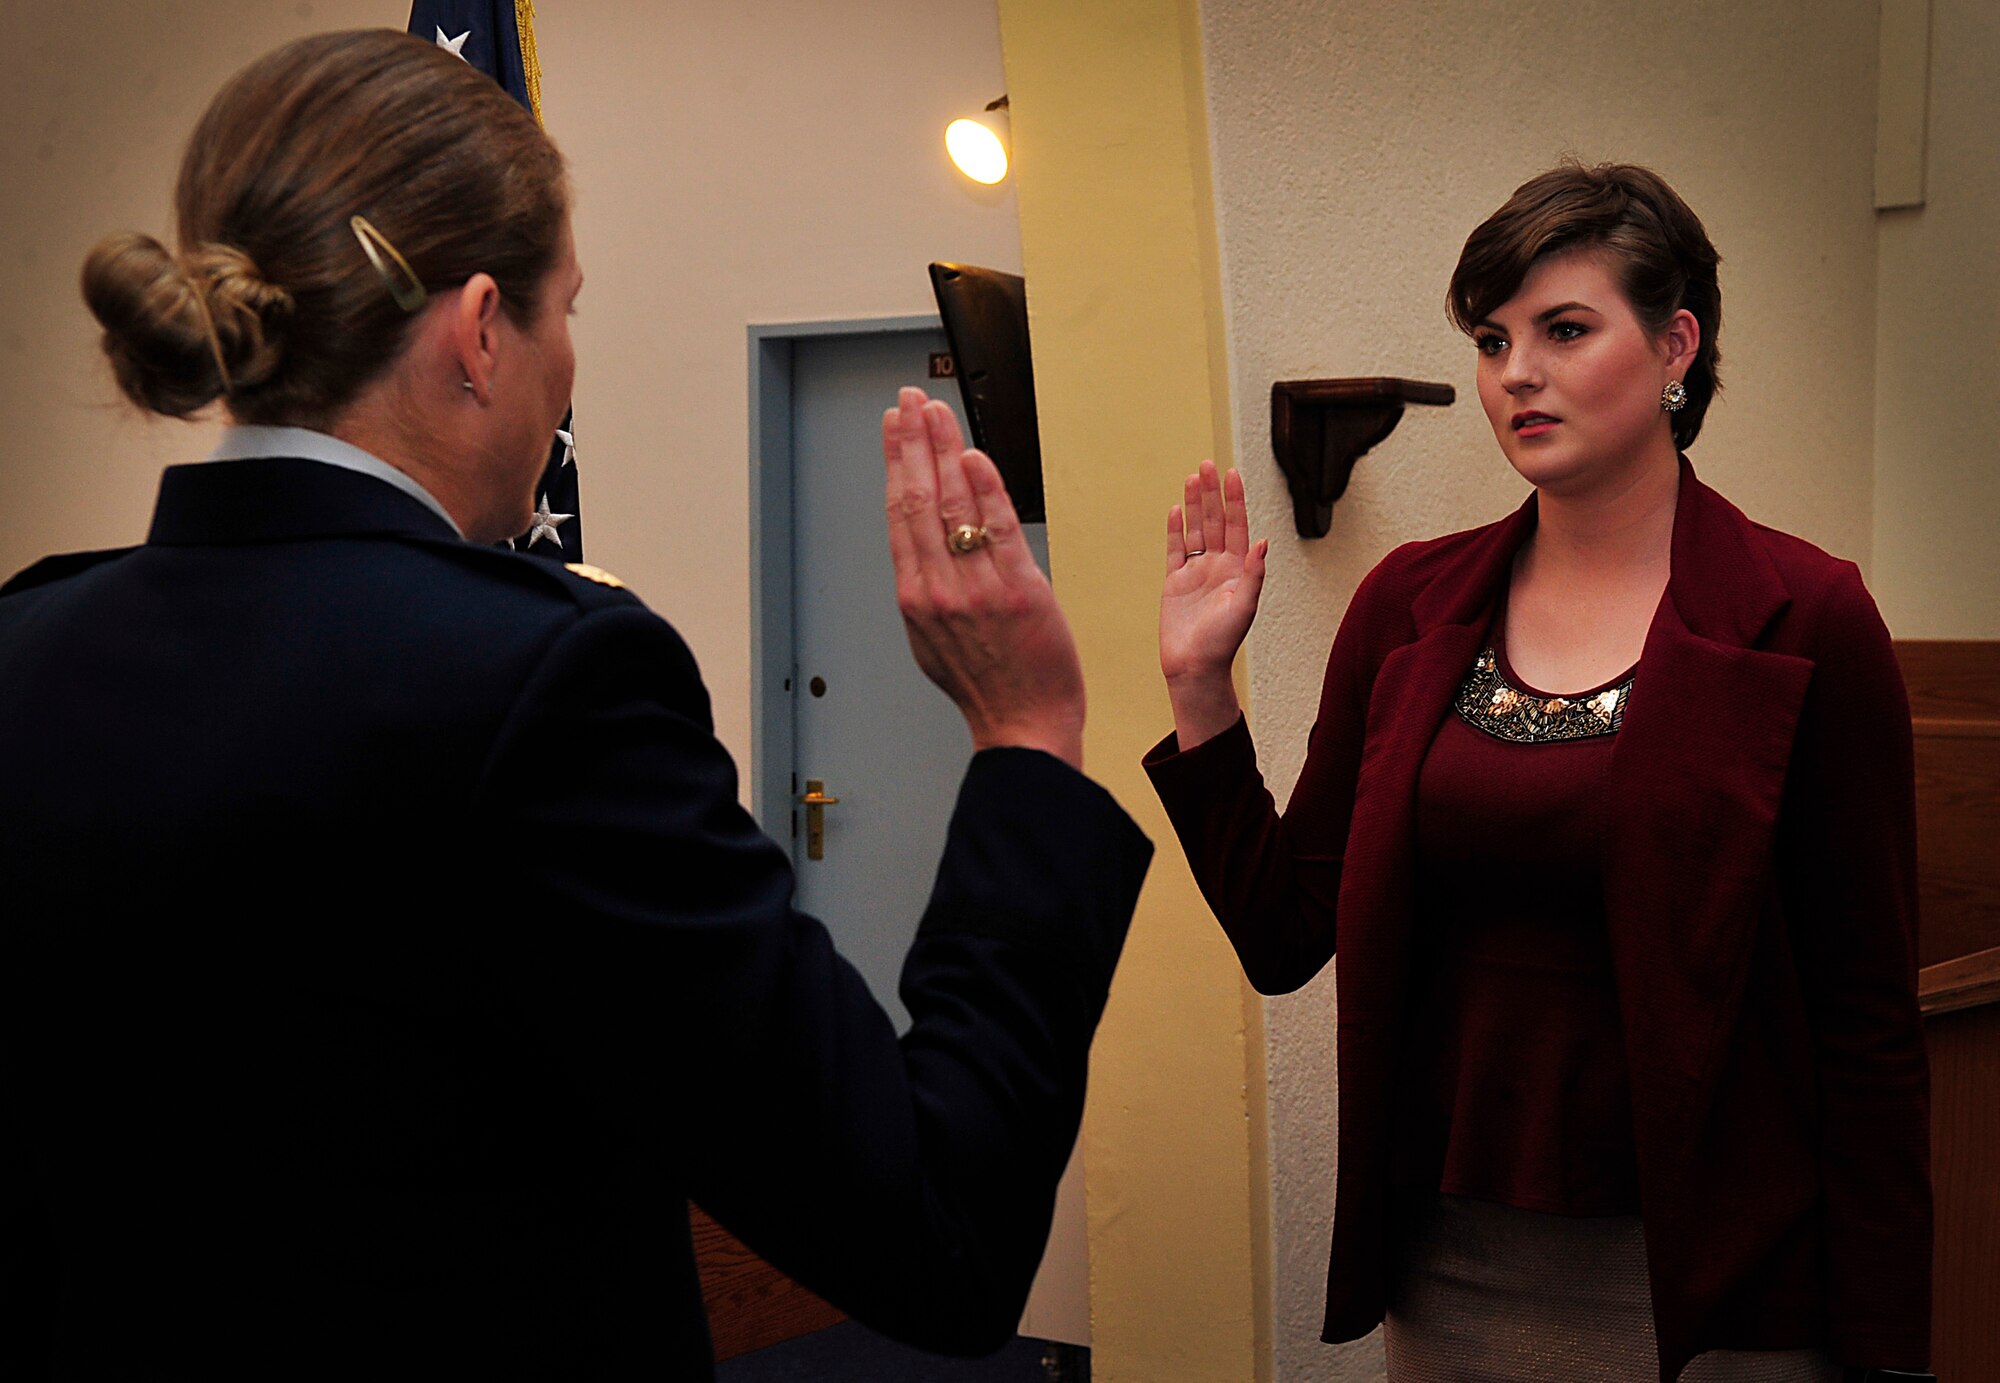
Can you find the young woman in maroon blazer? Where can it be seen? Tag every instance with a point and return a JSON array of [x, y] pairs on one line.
[[1609, 808]]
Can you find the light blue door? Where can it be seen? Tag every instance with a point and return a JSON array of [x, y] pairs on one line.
[[866, 723]]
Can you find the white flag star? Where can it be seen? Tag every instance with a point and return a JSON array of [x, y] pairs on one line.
[[568, 439], [453, 45], [545, 524]]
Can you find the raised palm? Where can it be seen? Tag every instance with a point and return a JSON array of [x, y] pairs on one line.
[[982, 621], [1215, 575]]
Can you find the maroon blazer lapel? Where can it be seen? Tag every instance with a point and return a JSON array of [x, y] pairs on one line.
[[1695, 782], [1410, 698], [1411, 695]]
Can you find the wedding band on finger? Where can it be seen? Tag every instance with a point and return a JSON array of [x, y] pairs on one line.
[[966, 538], [1196, 552]]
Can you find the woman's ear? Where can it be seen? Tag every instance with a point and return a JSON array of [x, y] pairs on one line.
[[1682, 340], [475, 313]]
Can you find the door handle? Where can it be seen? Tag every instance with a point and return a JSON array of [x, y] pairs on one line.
[[816, 802]]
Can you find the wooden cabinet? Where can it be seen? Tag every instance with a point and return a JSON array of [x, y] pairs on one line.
[[1955, 711]]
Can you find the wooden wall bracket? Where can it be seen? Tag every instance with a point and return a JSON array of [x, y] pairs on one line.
[[1321, 427]]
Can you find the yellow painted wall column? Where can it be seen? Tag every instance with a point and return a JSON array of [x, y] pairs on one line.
[[1124, 299]]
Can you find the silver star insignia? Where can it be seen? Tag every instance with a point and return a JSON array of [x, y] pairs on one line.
[[545, 524], [453, 45], [568, 439]]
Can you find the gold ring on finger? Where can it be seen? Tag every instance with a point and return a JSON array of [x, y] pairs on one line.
[[967, 537]]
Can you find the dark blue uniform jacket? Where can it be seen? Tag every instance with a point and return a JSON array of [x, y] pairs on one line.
[[385, 960]]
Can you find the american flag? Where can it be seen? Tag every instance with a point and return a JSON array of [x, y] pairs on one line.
[[498, 38]]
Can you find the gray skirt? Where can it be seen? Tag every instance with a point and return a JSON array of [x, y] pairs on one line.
[[1488, 1292]]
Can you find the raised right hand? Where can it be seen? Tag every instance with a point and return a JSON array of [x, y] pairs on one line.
[[983, 624], [1215, 575]]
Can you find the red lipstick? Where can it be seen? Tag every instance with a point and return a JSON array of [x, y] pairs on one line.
[[1532, 423]]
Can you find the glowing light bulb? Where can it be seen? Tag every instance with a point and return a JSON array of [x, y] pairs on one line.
[[976, 150]]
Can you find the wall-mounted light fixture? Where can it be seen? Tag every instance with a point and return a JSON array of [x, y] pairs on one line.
[[979, 147]]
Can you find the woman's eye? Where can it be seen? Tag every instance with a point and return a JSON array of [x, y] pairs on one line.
[[1489, 345], [1567, 331]]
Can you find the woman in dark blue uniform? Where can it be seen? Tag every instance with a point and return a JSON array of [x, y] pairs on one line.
[[386, 957]]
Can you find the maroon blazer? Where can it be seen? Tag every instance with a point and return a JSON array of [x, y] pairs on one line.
[[1760, 890]]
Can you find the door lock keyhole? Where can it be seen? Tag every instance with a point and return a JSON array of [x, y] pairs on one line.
[[817, 686]]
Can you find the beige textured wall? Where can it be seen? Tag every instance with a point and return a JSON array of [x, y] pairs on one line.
[[1937, 361], [98, 98], [1355, 147], [768, 161]]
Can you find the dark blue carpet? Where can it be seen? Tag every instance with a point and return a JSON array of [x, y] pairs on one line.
[[851, 1353]]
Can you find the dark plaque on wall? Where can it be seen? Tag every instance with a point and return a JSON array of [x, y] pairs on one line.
[[985, 316]]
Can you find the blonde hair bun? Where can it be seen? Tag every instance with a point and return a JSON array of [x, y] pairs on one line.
[[182, 331]]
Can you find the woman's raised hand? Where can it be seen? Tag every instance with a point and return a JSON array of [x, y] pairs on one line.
[[1215, 575], [980, 616]]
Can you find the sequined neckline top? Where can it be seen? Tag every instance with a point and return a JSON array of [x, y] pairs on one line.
[[1488, 702]]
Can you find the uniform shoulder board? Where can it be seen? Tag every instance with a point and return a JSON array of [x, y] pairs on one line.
[[597, 574]]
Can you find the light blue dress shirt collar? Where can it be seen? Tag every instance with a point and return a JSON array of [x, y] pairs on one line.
[[246, 441]]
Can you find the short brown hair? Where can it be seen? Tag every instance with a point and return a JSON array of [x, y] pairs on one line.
[[1665, 261], [271, 298]]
